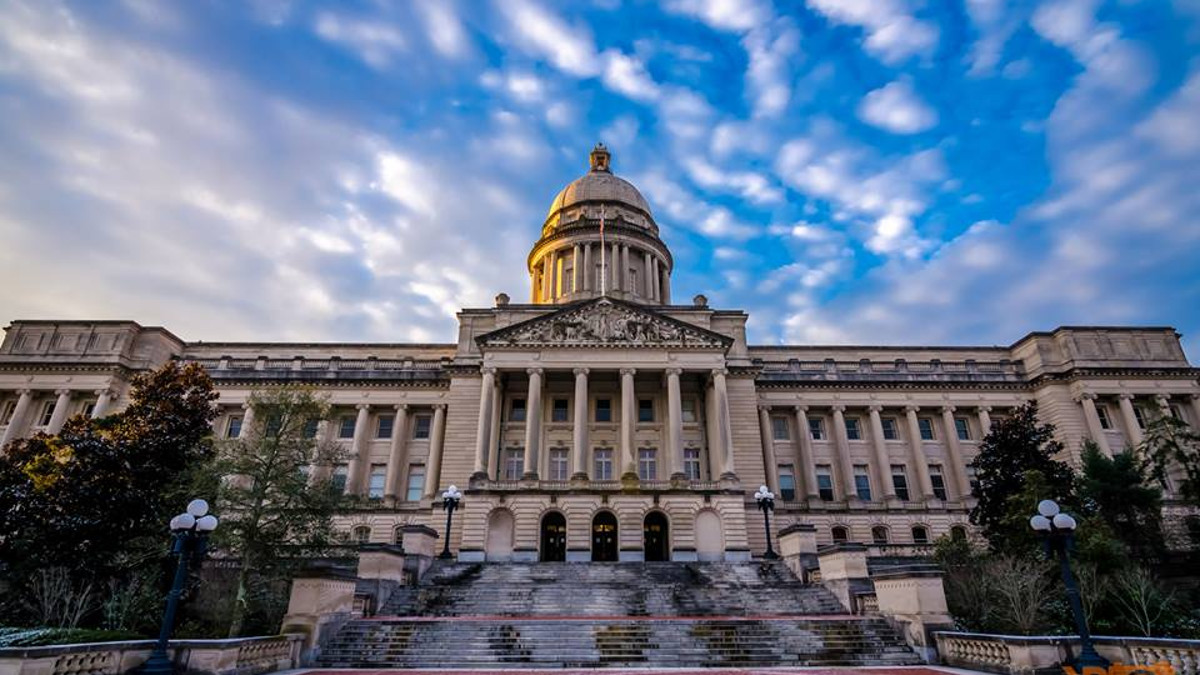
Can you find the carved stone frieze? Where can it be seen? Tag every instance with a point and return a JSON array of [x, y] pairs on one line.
[[604, 322]]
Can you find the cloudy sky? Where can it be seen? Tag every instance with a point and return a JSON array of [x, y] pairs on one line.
[[849, 171]]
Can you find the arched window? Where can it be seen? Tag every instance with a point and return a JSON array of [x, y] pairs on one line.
[[361, 534], [879, 534], [840, 535], [398, 535], [920, 534], [958, 533]]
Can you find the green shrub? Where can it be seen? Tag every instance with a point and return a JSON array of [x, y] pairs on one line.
[[39, 637]]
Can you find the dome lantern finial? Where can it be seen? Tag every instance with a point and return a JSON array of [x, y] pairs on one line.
[[600, 158]]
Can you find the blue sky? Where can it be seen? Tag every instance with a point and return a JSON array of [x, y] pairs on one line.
[[847, 171]]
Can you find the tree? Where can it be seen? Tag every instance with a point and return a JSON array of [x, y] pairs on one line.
[[273, 510], [1116, 491], [1169, 445], [1017, 447], [93, 499]]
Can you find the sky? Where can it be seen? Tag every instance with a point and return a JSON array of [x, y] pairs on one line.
[[846, 171]]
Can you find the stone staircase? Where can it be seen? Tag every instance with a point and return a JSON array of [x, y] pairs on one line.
[[571, 615]]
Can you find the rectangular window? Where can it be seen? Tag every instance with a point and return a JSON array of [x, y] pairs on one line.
[[378, 477], [421, 426], [558, 410], [688, 406], [787, 484], [603, 410], [274, 426], [234, 428], [346, 427], [311, 427], [962, 428], [862, 482], [385, 425], [6, 412], [516, 410], [816, 428], [889, 429], [645, 410], [972, 479], [603, 463], [47, 413], [1102, 413], [691, 463], [647, 464], [416, 483], [900, 481], [852, 431], [88, 409], [937, 481], [558, 464], [1137, 415], [514, 463], [825, 482], [338, 480], [779, 428], [925, 425]]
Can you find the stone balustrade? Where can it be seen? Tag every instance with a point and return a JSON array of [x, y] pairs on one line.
[[898, 370], [306, 369], [1021, 655], [593, 485], [240, 656]]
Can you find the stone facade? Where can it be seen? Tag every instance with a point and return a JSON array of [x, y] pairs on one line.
[[601, 416]]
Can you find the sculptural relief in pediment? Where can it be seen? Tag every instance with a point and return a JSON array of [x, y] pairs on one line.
[[605, 323]]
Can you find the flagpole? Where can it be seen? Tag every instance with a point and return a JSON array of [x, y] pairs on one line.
[[603, 257]]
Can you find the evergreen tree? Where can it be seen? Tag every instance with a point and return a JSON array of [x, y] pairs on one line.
[[1116, 491], [273, 511], [1170, 446], [1016, 447]]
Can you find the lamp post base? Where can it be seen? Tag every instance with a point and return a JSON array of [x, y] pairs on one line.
[[157, 664]]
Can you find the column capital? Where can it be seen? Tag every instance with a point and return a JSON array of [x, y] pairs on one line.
[[246, 405], [103, 392], [988, 408], [439, 406], [764, 409], [362, 406], [24, 391], [1085, 396], [1194, 398], [800, 408], [838, 408], [1161, 399], [62, 392], [719, 371], [534, 371], [875, 408], [487, 370], [581, 371], [912, 408], [1125, 397], [400, 406], [628, 371], [948, 409], [674, 371]]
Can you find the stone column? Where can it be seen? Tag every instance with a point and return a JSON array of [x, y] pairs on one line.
[[588, 268], [956, 456], [580, 432], [628, 412], [675, 424], [494, 436], [437, 439], [16, 425], [1095, 430], [547, 276], [845, 464], [247, 420], [1133, 433], [728, 470], [985, 419], [359, 456], [666, 281], [576, 269], [396, 455], [655, 289], [648, 277], [807, 465], [533, 423], [317, 472], [882, 461], [104, 398], [483, 429], [770, 465], [917, 447], [59, 416], [614, 267], [712, 432], [1164, 405], [1195, 400], [625, 280]]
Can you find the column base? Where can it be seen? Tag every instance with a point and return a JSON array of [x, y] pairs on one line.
[[679, 479], [579, 477]]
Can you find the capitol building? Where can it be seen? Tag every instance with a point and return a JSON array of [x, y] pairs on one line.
[[607, 419]]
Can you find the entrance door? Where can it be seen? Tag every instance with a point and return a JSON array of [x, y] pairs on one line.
[[554, 538], [604, 537], [656, 539]]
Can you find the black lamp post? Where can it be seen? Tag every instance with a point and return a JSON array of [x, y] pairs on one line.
[[766, 504], [1058, 533], [450, 499], [190, 532]]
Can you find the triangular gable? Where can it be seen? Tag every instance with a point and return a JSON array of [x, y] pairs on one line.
[[605, 322]]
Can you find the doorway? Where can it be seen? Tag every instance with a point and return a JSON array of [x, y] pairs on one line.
[[554, 538], [604, 537], [656, 539]]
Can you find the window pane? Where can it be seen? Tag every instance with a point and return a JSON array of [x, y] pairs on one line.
[[1102, 413], [962, 428], [416, 482], [839, 535], [862, 483], [558, 413], [514, 463], [603, 410], [234, 430], [852, 429], [338, 479], [311, 427], [647, 464], [937, 481], [691, 463], [378, 476], [346, 429], [816, 429], [926, 426], [920, 535], [603, 462], [825, 482], [688, 404], [421, 424], [879, 534], [516, 412], [889, 429], [787, 484], [645, 410], [900, 482], [779, 428], [384, 429], [558, 464]]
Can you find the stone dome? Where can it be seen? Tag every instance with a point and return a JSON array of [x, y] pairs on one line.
[[600, 187]]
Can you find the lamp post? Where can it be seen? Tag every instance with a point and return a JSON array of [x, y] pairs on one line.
[[450, 499], [1058, 533], [189, 532], [766, 504]]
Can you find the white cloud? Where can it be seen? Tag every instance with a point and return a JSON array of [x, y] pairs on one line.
[[892, 33], [733, 15], [375, 42], [897, 108], [627, 75], [771, 51], [569, 48], [443, 28], [753, 187]]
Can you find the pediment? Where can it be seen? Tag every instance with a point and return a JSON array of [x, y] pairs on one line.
[[605, 322]]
